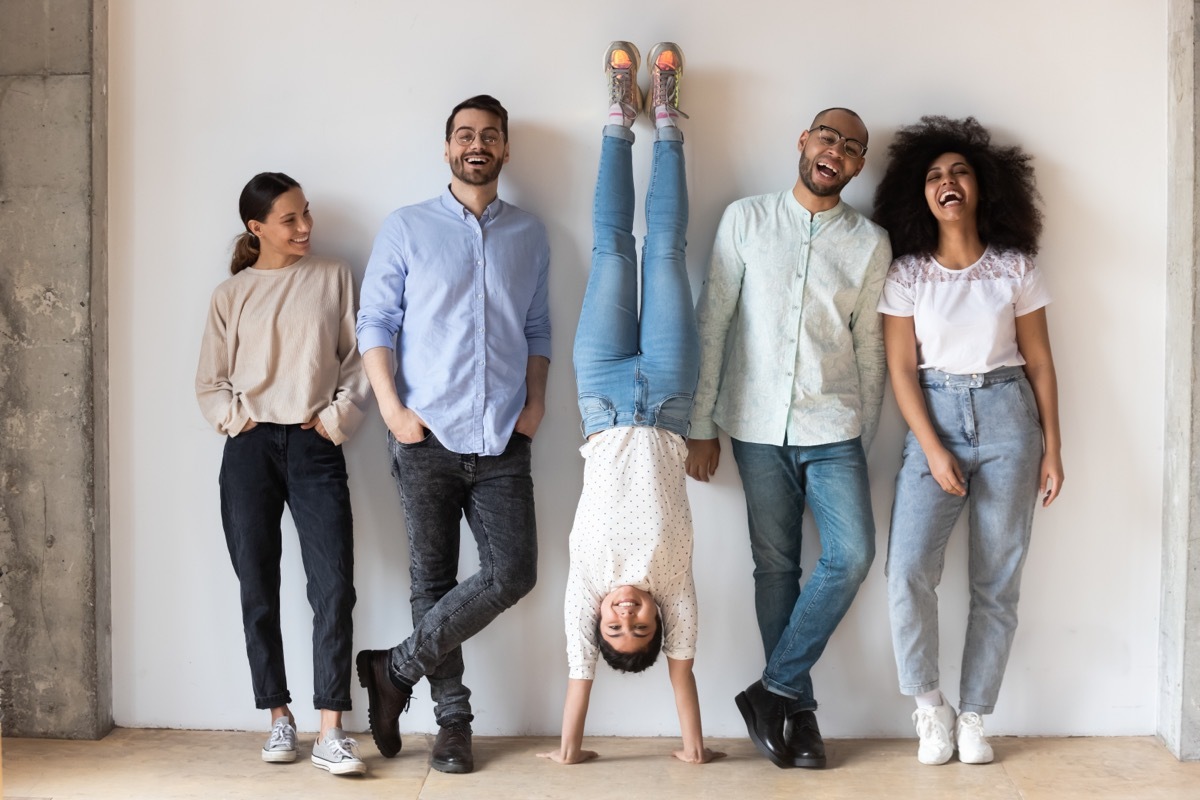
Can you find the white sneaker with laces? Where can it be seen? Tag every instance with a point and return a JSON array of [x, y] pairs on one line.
[[973, 747], [281, 744], [337, 753], [935, 725]]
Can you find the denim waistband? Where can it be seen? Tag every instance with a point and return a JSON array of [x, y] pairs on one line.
[[935, 377]]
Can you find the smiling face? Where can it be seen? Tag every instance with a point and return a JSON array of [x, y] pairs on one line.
[[951, 189], [284, 235], [825, 169], [628, 619], [476, 163]]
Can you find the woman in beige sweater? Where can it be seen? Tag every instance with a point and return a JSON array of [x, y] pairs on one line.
[[280, 376]]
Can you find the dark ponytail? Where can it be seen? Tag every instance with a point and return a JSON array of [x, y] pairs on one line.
[[255, 204]]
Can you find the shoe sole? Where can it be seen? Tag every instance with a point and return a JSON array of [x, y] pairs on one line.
[[935, 763], [452, 768], [366, 679], [809, 763], [340, 767], [279, 756], [747, 710], [976, 760]]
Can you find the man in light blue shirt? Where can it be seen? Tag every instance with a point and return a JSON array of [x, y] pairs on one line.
[[456, 288], [792, 368]]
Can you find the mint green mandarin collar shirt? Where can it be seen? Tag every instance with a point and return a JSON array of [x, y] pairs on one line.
[[791, 344]]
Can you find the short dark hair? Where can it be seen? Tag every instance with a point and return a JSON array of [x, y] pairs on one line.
[[817, 119], [482, 102], [638, 661], [1007, 215]]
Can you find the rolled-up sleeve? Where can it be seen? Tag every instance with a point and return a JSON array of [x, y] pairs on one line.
[[381, 311]]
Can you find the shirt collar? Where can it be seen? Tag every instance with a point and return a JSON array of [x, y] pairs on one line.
[[450, 202], [821, 216]]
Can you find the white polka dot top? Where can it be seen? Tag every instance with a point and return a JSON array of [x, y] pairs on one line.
[[633, 527]]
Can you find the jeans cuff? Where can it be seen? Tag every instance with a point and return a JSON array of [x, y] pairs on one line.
[[914, 689], [668, 133], [273, 700], [619, 132], [330, 703], [454, 717], [965, 708]]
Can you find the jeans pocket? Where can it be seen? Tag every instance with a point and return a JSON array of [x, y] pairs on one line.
[[597, 411], [674, 413], [1028, 400], [399, 445], [520, 437]]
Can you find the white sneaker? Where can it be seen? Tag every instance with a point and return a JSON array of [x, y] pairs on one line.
[[934, 725], [973, 747], [337, 753], [281, 744]]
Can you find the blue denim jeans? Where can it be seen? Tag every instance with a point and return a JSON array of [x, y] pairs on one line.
[[263, 469], [438, 488], [990, 424], [632, 371], [796, 624]]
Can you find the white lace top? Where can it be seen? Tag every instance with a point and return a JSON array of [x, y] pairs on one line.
[[965, 319], [633, 527]]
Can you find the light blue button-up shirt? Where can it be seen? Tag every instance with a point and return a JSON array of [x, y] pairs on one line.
[[464, 302], [790, 342]]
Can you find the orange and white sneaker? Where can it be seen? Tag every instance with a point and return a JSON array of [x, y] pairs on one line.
[[666, 72], [621, 62]]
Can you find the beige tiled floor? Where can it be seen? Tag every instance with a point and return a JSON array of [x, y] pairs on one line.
[[204, 764]]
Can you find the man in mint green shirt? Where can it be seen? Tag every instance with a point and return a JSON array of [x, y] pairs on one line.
[[792, 368]]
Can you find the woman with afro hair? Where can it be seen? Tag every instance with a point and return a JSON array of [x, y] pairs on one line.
[[969, 356]]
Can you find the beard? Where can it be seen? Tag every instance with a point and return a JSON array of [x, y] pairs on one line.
[[806, 169], [475, 176]]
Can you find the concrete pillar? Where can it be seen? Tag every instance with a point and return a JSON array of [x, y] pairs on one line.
[[1179, 643], [55, 641]]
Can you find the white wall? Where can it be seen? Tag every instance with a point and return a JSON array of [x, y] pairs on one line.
[[351, 102]]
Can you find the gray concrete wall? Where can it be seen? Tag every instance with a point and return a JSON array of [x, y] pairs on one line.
[[55, 674], [1179, 659]]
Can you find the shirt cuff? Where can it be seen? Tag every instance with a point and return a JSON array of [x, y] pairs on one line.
[[370, 337]]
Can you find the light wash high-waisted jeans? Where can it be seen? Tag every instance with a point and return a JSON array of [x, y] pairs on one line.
[[990, 423], [632, 371]]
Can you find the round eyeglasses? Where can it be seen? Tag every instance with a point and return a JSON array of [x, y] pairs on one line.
[[831, 136]]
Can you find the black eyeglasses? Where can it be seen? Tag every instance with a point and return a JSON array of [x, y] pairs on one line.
[[489, 136], [829, 137]]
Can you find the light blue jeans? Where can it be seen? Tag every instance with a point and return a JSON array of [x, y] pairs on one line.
[[796, 624], [989, 422], [632, 371]]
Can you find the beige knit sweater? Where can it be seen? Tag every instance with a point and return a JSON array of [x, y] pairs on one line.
[[279, 347]]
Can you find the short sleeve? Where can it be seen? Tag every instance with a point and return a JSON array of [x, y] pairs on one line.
[[1032, 293], [897, 299]]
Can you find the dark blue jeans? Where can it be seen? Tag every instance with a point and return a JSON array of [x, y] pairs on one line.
[[438, 488], [262, 470]]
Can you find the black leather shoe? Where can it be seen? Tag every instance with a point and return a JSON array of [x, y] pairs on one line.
[[765, 714], [452, 749], [385, 701], [804, 740]]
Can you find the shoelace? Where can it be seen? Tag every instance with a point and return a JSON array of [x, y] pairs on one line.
[[282, 733], [344, 747], [972, 724], [619, 92], [666, 92], [927, 728]]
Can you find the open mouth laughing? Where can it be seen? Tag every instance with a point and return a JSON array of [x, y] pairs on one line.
[[950, 198]]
